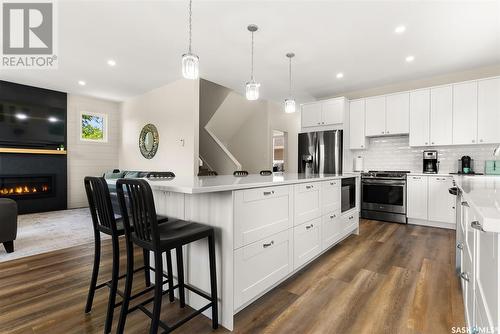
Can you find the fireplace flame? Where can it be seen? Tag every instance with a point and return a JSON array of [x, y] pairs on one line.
[[23, 190]]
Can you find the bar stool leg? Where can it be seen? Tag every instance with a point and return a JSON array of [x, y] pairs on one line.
[[95, 271], [114, 285], [213, 281], [128, 288], [147, 278], [170, 276], [180, 275], [158, 292]]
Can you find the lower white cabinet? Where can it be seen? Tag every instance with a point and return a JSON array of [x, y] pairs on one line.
[[307, 204], [416, 196], [260, 265], [330, 196], [331, 229], [307, 242], [429, 202], [441, 202]]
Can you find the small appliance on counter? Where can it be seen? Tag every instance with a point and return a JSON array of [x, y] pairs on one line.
[[430, 162], [466, 165], [492, 167], [359, 164]]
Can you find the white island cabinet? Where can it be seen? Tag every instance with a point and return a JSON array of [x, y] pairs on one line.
[[267, 228], [478, 252]]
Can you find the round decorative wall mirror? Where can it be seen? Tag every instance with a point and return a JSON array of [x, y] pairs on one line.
[[148, 141]]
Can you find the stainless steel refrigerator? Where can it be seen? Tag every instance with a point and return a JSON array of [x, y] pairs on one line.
[[320, 152]]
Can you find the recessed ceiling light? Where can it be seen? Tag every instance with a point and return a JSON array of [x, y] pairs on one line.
[[21, 116], [409, 59], [400, 29], [111, 62], [340, 75], [52, 119], [82, 83]]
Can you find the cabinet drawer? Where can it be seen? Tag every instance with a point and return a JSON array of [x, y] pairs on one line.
[[261, 212], [260, 265], [350, 222], [487, 265], [306, 242], [331, 229], [307, 202], [330, 196]]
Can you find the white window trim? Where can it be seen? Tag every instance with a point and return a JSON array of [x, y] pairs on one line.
[[105, 126]]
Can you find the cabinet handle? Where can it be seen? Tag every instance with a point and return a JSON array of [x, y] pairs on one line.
[[332, 183], [460, 246], [362, 145], [387, 132], [480, 140], [351, 217], [464, 276], [464, 203], [322, 122], [416, 177], [432, 143], [440, 178], [319, 123], [309, 226], [426, 143], [309, 187], [332, 216], [477, 225], [473, 141], [269, 244], [383, 132], [266, 193]]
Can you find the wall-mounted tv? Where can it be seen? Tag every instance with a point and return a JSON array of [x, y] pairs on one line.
[[31, 117]]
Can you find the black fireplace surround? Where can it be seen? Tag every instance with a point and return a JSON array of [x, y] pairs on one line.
[[37, 182]]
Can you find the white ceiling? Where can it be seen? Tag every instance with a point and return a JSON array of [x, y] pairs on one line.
[[147, 38]]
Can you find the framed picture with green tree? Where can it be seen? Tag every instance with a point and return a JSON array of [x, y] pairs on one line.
[[93, 127]]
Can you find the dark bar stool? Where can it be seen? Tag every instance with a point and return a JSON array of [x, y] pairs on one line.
[[103, 220], [142, 229]]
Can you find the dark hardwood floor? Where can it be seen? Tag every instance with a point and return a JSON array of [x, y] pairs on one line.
[[390, 279]]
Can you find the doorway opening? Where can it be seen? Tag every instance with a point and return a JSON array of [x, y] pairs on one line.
[[279, 150]]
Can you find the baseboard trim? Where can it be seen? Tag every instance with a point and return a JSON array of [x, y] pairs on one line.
[[430, 223]]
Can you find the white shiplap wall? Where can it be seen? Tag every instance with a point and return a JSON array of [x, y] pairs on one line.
[[394, 153], [88, 158]]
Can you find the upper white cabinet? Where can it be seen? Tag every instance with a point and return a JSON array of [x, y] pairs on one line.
[[465, 113], [311, 114], [387, 115], [357, 138], [375, 116], [441, 115], [397, 113], [322, 113], [488, 111], [420, 108]]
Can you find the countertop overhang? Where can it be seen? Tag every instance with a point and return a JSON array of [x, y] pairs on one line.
[[482, 193], [208, 184]]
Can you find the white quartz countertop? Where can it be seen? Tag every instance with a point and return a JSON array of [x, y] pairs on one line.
[[482, 193], [207, 184]]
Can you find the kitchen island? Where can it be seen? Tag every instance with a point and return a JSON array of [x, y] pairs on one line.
[[478, 251], [267, 228]]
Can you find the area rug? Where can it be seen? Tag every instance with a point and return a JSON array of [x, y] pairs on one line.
[[48, 231]]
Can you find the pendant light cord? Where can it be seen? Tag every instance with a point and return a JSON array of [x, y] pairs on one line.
[[290, 77], [251, 73], [190, 25]]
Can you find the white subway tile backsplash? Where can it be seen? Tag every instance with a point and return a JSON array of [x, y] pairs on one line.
[[394, 153]]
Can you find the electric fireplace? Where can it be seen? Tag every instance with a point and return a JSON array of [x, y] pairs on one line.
[[26, 186]]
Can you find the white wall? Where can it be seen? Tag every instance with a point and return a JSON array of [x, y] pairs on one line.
[[173, 109], [88, 158]]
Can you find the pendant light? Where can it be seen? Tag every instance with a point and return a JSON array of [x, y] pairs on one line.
[[290, 102], [190, 61], [252, 87]]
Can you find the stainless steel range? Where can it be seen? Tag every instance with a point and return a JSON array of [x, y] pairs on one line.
[[383, 196]]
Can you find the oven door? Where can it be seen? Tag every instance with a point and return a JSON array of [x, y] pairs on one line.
[[384, 195]]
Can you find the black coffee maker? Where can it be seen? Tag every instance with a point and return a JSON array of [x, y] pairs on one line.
[[465, 165], [430, 162]]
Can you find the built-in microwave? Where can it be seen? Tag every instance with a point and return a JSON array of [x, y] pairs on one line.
[[348, 194]]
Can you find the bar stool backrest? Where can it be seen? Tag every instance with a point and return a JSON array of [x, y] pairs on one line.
[[100, 205], [142, 210]]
